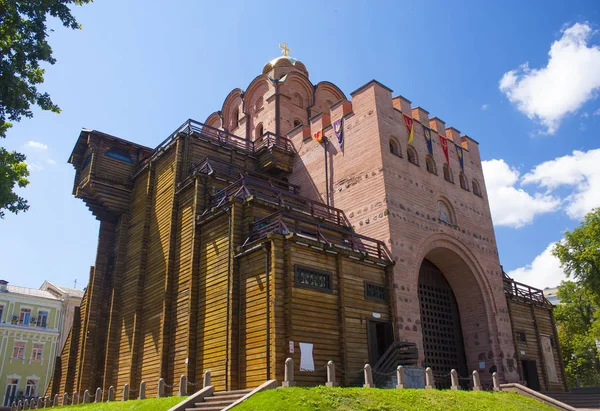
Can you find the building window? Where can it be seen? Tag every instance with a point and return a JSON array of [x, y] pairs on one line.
[[430, 164], [31, 389], [1, 312], [445, 212], [119, 154], [476, 188], [259, 104], [395, 147], [521, 337], [297, 123], [259, 131], [36, 352], [375, 292], [411, 154], [11, 391], [464, 184], [25, 316], [235, 120], [298, 100], [448, 174], [42, 320], [19, 350], [312, 278]]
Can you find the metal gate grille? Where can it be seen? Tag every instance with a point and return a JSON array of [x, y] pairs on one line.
[[442, 335]]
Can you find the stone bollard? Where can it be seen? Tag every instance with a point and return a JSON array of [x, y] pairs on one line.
[[26, 405], [331, 382], [75, 398], [288, 374], [495, 381], [400, 377], [454, 380], [111, 394], [48, 403], [206, 382], [19, 406], [182, 385], [55, 402], [142, 395], [13, 407], [126, 392], [38, 404], [368, 377], [429, 382], [87, 397], [65, 400], [161, 388], [476, 381]]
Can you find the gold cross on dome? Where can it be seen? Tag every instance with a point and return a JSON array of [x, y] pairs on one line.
[[284, 49]]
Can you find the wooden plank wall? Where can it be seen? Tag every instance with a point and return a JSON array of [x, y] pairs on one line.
[[151, 345], [532, 321], [212, 300]]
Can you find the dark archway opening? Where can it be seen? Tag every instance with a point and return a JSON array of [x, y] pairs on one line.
[[443, 346]]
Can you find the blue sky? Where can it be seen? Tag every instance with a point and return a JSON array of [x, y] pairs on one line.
[[138, 69]]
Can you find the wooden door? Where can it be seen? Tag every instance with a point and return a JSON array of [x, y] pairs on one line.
[[380, 338], [530, 374]]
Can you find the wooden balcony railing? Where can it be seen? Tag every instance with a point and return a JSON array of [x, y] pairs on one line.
[[250, 186], [525, 293], [210, 165], [284, 223]]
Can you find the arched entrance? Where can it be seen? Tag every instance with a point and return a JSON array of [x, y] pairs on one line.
[[443, 346]]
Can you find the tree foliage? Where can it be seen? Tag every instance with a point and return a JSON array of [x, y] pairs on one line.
[[23, 46], [578, 334], [579, 254]]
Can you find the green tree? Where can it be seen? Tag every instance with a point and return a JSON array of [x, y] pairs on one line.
[[23, 46], [579, 254], [576, 316]]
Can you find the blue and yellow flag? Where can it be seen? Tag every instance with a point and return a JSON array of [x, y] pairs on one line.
[[427, 133]]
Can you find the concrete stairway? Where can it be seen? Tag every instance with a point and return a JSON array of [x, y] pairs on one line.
[[579, 397], [218, 400]]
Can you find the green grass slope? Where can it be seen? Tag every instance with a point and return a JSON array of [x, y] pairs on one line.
[[150, 404], [371, 399]]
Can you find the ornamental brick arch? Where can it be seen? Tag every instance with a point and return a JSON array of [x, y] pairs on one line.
[[474, 298]]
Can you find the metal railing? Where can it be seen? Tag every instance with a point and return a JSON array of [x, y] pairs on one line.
[[399, 353], [250, 186], [284, 223]]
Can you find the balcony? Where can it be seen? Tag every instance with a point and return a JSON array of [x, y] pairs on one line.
[[524, 293]]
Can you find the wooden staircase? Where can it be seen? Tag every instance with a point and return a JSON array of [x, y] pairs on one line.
[[218, 400]]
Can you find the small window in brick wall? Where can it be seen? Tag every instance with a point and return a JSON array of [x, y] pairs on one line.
[[411, 153], [464, 184], [448, 174], [521, 337], [430, 164], [308, 277], [375, 292], [395, 147]]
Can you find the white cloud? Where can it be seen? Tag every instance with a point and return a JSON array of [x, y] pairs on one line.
[[579, 171], [570, 78], [512, 206], [37, 145], [51, 161], [544, 271], [33, 167], [484, 107], [597, 112]]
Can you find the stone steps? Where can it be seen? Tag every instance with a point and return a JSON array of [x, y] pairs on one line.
[[219, 400], [578, 399]]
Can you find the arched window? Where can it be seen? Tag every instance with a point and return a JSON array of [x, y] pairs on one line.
[[259, 131], [297, 123], [259, 104], [395, 147], [298, 100], [235, 118], [463, 181], [119, 154], [476, 188], [448, 173], [412, 156], [445, 212], [430, 164]]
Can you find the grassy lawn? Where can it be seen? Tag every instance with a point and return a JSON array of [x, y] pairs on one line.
[[150, 404], [370, 399]]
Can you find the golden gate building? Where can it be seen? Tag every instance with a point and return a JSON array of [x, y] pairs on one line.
[[298, 221]]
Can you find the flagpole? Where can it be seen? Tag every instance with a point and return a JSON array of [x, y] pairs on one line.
[[326, 170]]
